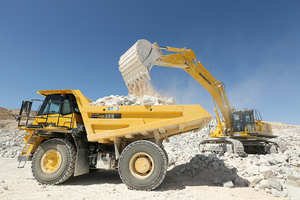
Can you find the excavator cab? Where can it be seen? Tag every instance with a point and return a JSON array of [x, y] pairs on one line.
[[243, 121]]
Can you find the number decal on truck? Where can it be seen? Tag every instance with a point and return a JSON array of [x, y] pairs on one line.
[[113, 109], [106, 116]]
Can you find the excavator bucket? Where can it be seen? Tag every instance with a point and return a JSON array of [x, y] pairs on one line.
[[135, 65]]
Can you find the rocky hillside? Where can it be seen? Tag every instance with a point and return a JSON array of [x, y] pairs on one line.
[[4, 115]]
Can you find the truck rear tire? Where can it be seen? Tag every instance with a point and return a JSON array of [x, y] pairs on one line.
[[142, 165], [54, 161]]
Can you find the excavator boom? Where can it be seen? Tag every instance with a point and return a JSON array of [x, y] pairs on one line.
[[143, 55]]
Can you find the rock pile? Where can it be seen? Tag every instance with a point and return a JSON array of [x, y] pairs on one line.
[[11, 143], [114, 100], [271, 172]]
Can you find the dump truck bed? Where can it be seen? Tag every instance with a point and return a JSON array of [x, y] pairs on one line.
[[141, 122], [105, 124]]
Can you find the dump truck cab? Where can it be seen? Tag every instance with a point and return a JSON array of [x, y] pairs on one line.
[[59, 110]]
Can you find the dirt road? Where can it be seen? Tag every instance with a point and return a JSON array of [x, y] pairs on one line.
[[106, 185]]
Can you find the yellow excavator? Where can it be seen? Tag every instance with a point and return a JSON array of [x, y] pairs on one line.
[[237, 132]]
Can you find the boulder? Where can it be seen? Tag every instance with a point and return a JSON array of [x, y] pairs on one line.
[[217, 181], [262, 184], [252, 170], [255, 181], [238, 181], [280, 158], [293, 187], [147, 99], [171, 101], [274, 183], [228, 184]]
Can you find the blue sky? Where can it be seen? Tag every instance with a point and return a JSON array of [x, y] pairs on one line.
[[251, 46]]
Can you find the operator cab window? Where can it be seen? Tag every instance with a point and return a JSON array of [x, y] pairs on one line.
[[55, 104], [50, 105], [237, 122], [66, 107], [249, 121]]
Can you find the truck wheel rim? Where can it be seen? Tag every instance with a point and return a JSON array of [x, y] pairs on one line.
[[141, 165], [51, 161]]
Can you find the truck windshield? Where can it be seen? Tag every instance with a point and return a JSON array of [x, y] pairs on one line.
[[55, 104]]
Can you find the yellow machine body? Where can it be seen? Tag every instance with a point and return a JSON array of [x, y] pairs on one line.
[[143, 55], [106, 124]]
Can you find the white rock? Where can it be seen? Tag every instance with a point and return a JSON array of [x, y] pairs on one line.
[[262, 184], [274, 192], [274, 183], [255, 181], [147, 99], [268, 190], [252, 170], [171, 101], [293, 187], [228, 184], [280, 158]]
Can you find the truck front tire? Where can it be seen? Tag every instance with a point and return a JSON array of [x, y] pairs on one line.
[[142, 165], [54, 161]]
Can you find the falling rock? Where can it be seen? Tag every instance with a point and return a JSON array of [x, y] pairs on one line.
[[293, 187], [171, 101], [147, 99], [228, 184], [132, 98], [161, 99]]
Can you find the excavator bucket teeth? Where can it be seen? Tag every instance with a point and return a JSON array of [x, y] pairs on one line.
[[136, 63]]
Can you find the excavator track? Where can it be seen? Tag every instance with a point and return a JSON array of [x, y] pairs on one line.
[[279, 146], [222, 145], [243, 147]]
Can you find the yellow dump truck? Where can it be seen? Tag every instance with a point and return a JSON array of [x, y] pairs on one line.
[[68, 136]]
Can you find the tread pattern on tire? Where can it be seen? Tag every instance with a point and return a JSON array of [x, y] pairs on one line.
[[71, 150], [164, 165]]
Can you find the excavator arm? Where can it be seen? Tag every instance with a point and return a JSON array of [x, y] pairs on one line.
[[186, 59], [183, 58]]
